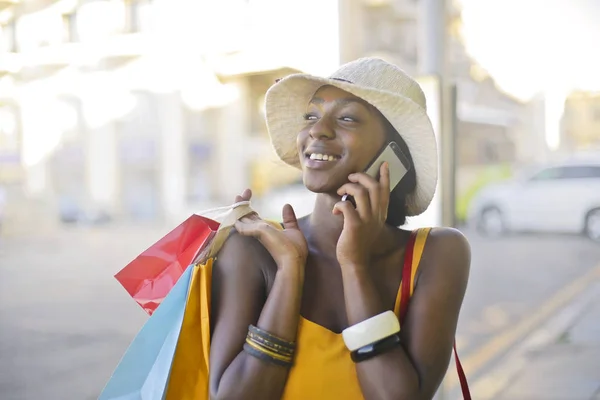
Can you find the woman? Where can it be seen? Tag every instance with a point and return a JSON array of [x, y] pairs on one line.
[[282, 297]]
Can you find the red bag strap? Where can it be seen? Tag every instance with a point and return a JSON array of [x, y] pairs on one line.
[[406, 273], [464, 385], [405, 299]]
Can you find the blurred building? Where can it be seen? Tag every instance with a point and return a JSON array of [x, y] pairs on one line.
[[150, 109], [493, 129], [380, 28], [143, 109], [580, 125], [490, 122], [533, 143]]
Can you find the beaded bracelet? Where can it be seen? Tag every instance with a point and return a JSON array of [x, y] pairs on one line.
[[261, 354], [268, 336], [268, 347]]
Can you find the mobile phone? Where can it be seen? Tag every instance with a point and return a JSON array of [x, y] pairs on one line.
[[397, 161]]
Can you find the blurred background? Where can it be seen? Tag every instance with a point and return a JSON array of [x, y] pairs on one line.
[[120, 118]]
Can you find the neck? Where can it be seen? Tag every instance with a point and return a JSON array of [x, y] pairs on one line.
[[324, 229]]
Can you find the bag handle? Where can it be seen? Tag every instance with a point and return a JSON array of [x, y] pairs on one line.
[[405, 299], [224, 209], [227, 219]]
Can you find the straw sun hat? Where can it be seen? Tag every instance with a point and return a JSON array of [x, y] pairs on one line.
[[389, 89]]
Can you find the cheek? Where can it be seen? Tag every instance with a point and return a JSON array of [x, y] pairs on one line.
[[301, 140], [362, 152]]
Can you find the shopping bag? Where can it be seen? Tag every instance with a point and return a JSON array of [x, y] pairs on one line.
[[152, 274], [190, 368], [143, 372]]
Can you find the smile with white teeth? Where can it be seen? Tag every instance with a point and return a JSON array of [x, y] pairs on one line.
[[322, 157]]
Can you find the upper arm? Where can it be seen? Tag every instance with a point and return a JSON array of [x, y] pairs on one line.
[[432, 317], [238, 295]]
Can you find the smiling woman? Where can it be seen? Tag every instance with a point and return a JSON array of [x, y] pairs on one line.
[[359, 133], [352, 114], [318, 307]]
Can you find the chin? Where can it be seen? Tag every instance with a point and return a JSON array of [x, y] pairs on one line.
[[326, 185]]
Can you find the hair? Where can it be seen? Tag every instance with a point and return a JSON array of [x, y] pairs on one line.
[[397, 208]]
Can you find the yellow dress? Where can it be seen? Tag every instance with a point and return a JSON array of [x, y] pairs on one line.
[[322, 367]]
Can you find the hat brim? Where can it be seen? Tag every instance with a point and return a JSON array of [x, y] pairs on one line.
[[286, 103]]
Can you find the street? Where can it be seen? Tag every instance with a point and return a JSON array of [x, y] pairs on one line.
[[65, 321], [511, 277], [516, 283]]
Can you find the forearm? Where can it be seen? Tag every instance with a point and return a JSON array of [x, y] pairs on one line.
[[387, 376], [248, 377]]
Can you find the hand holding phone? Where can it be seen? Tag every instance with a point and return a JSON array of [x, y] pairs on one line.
[[397, 161]]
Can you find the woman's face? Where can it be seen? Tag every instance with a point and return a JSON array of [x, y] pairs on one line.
[[342, 135]]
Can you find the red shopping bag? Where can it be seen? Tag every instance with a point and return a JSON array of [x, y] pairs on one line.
[[152, 274]]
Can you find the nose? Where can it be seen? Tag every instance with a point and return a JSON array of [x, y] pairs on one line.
[[321, 130]]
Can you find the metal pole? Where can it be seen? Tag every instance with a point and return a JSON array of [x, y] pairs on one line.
[[432, 37], [433, 62], [451, 148]]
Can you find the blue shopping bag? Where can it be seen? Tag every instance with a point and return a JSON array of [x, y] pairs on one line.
[[143, 372]]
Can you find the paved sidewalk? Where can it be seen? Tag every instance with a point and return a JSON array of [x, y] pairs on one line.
[[567, 367]]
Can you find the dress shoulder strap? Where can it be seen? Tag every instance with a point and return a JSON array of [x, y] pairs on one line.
[[414, 252], [412, 259], [419, 245]]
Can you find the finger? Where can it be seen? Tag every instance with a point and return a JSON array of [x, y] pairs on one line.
[[254, 228], [361, 197], [250, 218], [247, 194], [289, 218], [244, 228], [366, 180], [372, 186], [384, 187], [347, 210]]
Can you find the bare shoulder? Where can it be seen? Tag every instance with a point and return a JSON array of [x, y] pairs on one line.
[[244, 256], [449, 240], [448, 253], [240, 247]]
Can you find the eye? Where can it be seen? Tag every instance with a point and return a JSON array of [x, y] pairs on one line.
[[310, 117], [348, 119]]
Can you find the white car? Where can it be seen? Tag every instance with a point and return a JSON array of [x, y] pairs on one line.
[[558, 198]]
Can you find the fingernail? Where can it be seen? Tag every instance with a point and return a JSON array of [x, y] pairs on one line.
[[387, 166]]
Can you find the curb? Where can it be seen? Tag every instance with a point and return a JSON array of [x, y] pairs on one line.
[[498, 346], [508, 368]]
